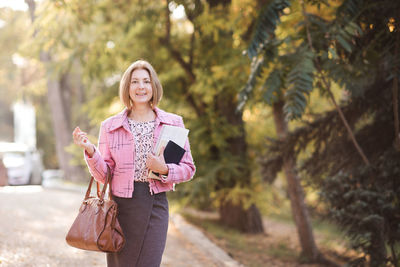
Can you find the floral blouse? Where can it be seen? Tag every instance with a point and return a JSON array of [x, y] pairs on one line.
[[143, 137]]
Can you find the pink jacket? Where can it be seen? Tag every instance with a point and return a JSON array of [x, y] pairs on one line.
[[116, 149]]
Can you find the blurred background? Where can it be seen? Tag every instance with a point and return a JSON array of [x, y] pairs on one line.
[[292, 108]]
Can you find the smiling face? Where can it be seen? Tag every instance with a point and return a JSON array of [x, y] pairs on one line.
[[140, 89], [140, 74]]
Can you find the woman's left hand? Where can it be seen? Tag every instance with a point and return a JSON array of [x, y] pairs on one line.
[[157, 163]]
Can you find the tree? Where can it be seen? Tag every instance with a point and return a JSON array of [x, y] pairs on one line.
[[195, 57], [233, 209], [290, 76], [369, 192], [352, 151], [10, 73], [58, 93]]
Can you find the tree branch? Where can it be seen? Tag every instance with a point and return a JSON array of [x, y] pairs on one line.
[[191, 51], [327, 85], [395, 91], [32, 7], [166, 41], [167, 23], [198, 105]]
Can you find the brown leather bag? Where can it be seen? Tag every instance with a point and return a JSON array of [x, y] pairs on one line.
[[96, 227]]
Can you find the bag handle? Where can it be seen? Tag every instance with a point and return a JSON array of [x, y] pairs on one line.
[[103, 191]]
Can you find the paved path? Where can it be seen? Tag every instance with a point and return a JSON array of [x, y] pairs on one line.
[[34, 222]]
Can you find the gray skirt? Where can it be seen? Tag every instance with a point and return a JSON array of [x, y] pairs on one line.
[[144, 221]]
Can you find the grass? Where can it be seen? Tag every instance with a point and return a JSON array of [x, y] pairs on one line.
[[329, 230], [251, 250], [271, 249], [282, 251]]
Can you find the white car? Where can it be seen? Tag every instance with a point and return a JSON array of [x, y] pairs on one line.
[[24, 165]]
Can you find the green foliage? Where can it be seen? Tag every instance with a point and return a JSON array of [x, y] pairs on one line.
[[288, 74], [299, 83], [263, 48], [352, 49], [350, 9], [256, 70], [11, 34], [295, 60], [267, 21], [366, 203], [272, 87], [354, 194], [196, 59]]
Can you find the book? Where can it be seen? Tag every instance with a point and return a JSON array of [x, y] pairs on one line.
[[173, 153], [173, 138]]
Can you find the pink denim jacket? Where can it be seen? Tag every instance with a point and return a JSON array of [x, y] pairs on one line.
[[116, 149]]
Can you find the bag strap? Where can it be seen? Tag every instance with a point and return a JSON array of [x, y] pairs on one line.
[[103, 191], [107, 182], [87, 195]]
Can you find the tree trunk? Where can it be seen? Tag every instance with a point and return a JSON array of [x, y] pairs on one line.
[[245, 220], [295, 191], [233, 214], [59, 122], [56, 84], [62, 129]]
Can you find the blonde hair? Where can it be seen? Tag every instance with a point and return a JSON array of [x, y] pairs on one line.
[[126, 81]]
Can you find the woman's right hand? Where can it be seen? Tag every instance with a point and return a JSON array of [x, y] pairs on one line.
[[81, 140]]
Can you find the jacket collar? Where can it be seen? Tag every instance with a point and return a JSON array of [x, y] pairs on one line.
[[121, 119], [163, 116]]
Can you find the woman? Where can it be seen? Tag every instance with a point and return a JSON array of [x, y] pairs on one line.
[[125, 145]]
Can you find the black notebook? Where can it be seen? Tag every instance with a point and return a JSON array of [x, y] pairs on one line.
[[173, 153]]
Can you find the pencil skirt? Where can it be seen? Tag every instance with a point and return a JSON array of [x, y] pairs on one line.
[[144, 222]]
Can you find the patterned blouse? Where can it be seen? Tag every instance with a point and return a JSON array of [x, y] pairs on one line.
[[143, 137]]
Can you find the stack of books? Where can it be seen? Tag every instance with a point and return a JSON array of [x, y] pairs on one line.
[[173, 138]]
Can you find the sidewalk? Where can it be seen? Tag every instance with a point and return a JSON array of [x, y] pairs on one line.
[[194, 239]]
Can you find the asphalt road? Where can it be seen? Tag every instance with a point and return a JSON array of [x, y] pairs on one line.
[[34, 222]]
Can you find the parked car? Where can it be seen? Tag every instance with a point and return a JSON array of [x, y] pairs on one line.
[[24, 165], [52, 174]]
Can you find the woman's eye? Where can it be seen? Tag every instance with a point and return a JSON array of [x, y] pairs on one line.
[[147, 81], [134, 82]]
